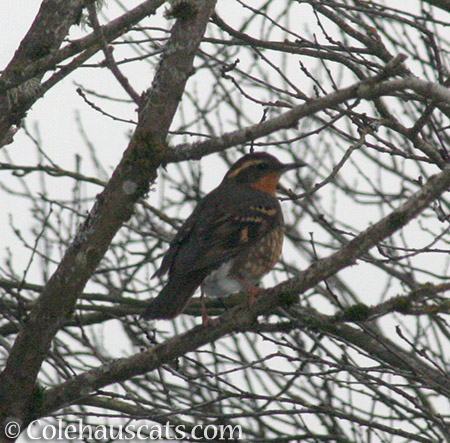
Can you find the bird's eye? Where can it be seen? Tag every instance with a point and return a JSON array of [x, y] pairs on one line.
[[262, 166]]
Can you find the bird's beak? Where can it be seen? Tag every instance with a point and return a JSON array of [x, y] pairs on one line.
[[297, 164]]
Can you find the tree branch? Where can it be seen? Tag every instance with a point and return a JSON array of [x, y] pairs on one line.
[[51, 26], [368, 89], [17, 95]]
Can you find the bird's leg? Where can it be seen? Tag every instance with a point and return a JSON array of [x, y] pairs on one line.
[[205, 318], [252, 290]]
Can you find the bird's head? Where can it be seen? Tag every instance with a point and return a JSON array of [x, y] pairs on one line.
[[259, 170]]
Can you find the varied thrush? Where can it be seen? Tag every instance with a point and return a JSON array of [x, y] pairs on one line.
[[229, 242]]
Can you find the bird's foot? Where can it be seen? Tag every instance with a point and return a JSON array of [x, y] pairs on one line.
[[251, 290], [207, 321]]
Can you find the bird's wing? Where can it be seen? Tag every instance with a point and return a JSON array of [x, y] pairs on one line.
[[221, 233], [180, 239]]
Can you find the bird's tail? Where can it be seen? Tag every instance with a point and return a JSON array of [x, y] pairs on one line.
[[171, 300]]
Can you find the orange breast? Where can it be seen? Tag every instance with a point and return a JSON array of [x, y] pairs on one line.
[[268, 183]]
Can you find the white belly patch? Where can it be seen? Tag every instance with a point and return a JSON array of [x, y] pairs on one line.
[[219, 283]]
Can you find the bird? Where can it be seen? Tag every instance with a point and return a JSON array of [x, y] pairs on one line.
[[231, 240]]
